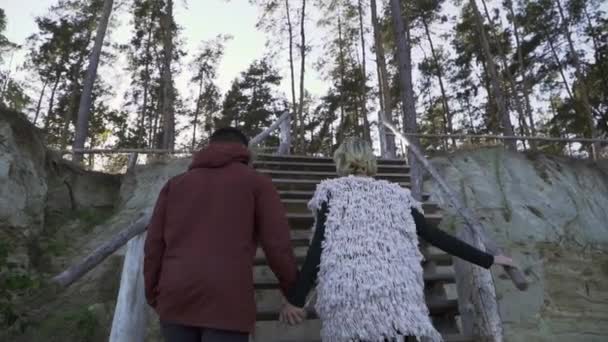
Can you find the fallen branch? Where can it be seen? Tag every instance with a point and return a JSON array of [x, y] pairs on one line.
[[472, 224], [77, 271]]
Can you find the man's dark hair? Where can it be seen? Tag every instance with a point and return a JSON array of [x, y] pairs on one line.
[[229, 135]]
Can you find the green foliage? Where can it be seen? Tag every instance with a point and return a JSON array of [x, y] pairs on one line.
[[59, 52], [251, 103], [207, 101]]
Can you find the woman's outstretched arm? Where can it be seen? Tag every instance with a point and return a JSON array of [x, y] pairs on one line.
[[308, 275], [450, 244]]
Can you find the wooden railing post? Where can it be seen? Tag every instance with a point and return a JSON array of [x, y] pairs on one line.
[[129, 324], [285, 136], [477, 301]]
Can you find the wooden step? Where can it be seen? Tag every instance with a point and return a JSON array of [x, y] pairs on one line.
[[264, 278], [323, 175], [312, 159], [309, 331], [327, 167], [307, 184], [305, 220], [436, 307], [301, 248], [307, 194], [299, 205]]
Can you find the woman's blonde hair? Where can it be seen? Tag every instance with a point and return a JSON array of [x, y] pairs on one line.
[[355, 157]]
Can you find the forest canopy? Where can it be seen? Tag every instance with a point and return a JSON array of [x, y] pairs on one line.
[[508, 67]]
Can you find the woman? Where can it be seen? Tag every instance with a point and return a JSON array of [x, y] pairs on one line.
[[365, 255]]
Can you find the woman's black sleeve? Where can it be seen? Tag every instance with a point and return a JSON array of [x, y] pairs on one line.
[[308, 275], [450, 244]]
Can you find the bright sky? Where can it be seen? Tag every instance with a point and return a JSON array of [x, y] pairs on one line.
[[200, 20]]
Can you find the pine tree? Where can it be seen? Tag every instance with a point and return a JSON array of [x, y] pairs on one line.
[[252, 103], [85, 100], [204, 67], [58, 53]]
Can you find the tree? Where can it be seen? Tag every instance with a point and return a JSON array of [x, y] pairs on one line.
[[427, 12], [557, 55], [85, 99], [583, 89], [401, 27], [143, 54], [12, 94], [57, 52], [277, 21], [168, 28], [303, 48], [521, 67], [341, 66], [5, 44], [494, 78], [204, 66], [387, 140], [252, 103], [366, 125]]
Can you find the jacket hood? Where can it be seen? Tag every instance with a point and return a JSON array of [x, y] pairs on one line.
[[219, 155]]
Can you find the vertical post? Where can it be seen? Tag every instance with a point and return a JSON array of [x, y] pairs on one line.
[[285, 136], [382, 135], [129, 324], [132, 161], [477, 301]]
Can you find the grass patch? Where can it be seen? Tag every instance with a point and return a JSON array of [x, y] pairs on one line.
[[79, 325]]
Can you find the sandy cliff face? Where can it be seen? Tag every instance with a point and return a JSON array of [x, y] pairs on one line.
[[49, 210], [552, 213]]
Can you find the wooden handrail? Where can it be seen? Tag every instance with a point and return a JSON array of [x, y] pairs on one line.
[[473, 225], [262, 136], [77, 271], [505, 137]]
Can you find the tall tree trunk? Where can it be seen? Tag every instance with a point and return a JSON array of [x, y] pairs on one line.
[[168, 110], [499, 95], [82, 123], [444, 98], [401, 26], [514, 96], [146, 85], [300, 117], [8, 77], [584, 93], [293, 117], [46, 82], [560, 67], [342, 127], [524, 76], [47, 120], [366, 126], [596, 48], [196, 112], [391, 148]]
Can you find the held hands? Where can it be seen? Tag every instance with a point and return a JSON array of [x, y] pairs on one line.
[[292, 315]]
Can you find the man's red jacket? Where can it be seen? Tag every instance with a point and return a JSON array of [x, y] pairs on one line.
[[202, 241]]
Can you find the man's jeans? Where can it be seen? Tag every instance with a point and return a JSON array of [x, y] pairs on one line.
[[181, 333]]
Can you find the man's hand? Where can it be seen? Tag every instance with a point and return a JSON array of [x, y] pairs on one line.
[[292, 315], [502, 260]]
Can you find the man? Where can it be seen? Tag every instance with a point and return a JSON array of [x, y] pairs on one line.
[[202, 240]]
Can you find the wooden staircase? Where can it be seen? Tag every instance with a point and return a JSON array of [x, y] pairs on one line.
[[296, 177]]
